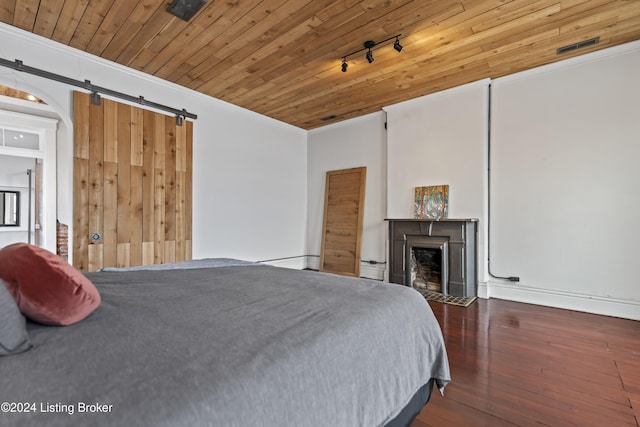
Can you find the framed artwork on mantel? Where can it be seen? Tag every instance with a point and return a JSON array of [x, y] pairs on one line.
[[431, 202]]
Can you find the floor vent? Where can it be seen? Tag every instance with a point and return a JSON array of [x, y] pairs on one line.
[[576, 46]]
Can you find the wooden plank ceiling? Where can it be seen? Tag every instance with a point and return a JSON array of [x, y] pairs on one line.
[[283, 58]]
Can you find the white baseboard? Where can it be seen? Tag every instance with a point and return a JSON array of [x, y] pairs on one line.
[[571, 301], [313, 263], [294, 263], [368, 271], [372, 271], [482, 290]]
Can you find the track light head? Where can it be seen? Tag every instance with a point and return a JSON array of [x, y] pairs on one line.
[[344, 65], [370, 56], [397, 46]]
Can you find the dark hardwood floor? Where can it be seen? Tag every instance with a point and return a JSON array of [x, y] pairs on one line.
[[521, 364]]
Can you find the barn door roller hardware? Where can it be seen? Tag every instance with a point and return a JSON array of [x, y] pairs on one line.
[[97, 90]]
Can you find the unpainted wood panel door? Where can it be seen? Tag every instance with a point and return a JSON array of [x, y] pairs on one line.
[[342, 224], [132, 180]]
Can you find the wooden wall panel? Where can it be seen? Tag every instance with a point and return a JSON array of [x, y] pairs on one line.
[[81, 127], [180, 227], [137, 138], [342, 224], [110, 235], [96, 178], [135, 210], [170, 180], [137, 186], [80, 182], [110, 130], [158, 188], [169, 251], [124, 177], [95, 257], [81, 235], [132, 186], [188, 187], [159, 213], [148, 190]]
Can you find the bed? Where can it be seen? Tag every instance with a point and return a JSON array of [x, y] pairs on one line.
[[223, 342]]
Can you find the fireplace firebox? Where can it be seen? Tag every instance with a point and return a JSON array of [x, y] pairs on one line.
[[427, 263], [436, 256]]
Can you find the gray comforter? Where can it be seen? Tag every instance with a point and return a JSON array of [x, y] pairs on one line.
[[230, 346]]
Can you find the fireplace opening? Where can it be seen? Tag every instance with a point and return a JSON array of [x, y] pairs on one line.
[[426, 269], [427, 259]]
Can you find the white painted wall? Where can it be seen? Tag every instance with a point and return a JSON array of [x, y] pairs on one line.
[[250, 191], [440, 139], [565, 199], [352, 143], [249, 186]]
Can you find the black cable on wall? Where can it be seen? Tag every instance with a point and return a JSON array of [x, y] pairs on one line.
[[510, 278]]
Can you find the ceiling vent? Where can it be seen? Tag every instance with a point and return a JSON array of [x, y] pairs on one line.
[[576, 46], [185, 9]]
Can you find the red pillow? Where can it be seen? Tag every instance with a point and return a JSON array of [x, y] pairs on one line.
[[48, 290]]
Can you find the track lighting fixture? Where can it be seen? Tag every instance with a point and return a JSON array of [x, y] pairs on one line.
[[368, 45]]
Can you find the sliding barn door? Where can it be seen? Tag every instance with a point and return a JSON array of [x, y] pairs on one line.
[[342, 225], [131, 186]]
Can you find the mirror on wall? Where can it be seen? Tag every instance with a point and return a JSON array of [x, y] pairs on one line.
[[9, 208]]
